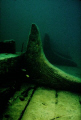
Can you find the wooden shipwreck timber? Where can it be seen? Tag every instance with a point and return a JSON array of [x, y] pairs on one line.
[[27, 77], [38, 68], [42, 71]]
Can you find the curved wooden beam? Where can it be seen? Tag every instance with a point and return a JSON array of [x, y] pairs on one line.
[[41, 71]]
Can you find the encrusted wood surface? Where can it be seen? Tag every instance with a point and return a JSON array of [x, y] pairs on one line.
[[10, 76], [25, 101], [42, 71], [49, 104], [43, 104], [18, 103], [10, 62]]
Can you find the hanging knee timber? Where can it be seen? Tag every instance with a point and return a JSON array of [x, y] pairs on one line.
[[41, 71]]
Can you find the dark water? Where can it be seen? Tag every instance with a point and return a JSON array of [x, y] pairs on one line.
[[60, 19]]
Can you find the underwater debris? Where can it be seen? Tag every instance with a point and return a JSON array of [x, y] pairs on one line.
[[27, 76], [24, 70]]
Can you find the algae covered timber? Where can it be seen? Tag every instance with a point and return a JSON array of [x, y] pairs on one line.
[[37, 66], [42, 71], [22, 76]]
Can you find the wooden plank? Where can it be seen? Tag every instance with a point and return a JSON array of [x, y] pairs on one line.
[[49, 104], [18, 102]]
